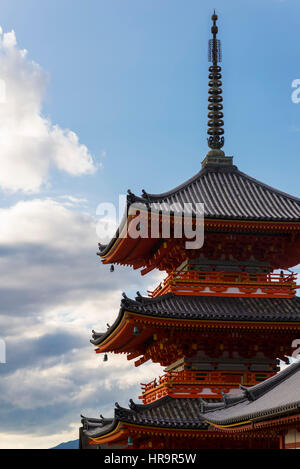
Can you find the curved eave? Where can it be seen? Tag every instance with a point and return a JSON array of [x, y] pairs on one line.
[[121, 339], [109, 435], [125, 250], [271, 205], [123, 428], [105, 249]]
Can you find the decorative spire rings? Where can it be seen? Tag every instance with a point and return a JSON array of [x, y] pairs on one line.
[[215, 107]]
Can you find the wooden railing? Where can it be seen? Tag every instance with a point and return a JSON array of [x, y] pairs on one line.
[[194, 383], [179, 376], [191, 282]]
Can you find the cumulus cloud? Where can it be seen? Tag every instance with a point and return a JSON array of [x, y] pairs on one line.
[[54, 291], [45, 222], [30, 144]]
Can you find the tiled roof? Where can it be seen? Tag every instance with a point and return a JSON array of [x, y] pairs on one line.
[[209, 308], [226, 193], [95, 427], [166, 412], [279, 395]]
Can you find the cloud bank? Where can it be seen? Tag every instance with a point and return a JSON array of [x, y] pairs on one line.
[[54, 291]]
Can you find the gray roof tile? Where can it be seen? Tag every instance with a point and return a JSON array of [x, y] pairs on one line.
[[228, 193], [209, 308], [276, 396], [279, 395], [166, 412]]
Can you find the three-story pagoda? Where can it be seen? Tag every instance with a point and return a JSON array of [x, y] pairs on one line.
[[225, 313]]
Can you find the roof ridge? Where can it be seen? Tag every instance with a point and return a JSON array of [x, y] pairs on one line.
[[219, 169]]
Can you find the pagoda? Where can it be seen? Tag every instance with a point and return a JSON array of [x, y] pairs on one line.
[[226, 312]]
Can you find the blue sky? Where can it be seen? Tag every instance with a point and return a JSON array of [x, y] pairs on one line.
[[118, 101], [130, 78]]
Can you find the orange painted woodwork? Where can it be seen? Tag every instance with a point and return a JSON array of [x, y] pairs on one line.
[[279, 243], [222, 283], [196, 384], [165, 340]]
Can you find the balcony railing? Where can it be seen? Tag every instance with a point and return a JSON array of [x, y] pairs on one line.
[[197, 383], [228, 283]]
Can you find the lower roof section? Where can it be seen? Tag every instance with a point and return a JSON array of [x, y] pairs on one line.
[[274, 398], [168, 413], [268, 403]]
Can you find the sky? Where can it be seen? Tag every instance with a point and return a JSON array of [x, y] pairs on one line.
[[97, 97]]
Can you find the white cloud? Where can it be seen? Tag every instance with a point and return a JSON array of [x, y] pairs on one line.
[[29, 143], [46, 222], [74, 200]]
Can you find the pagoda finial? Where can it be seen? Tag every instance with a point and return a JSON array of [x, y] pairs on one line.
[[215, 107]]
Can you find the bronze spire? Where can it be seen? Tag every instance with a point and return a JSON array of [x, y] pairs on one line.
[[215, 107]]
